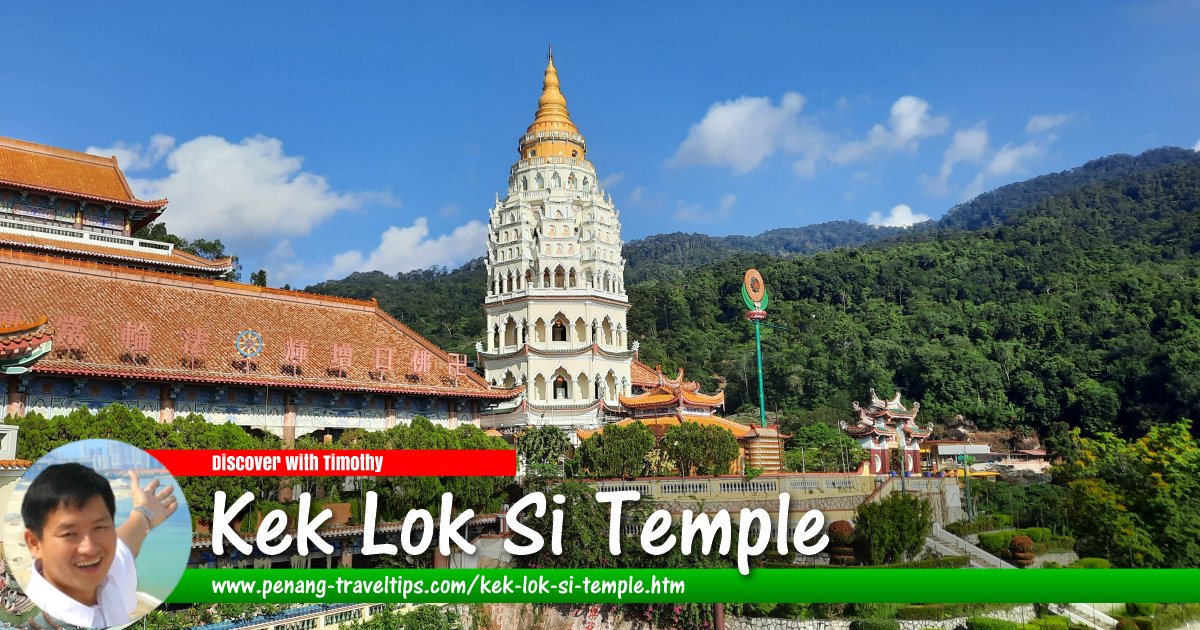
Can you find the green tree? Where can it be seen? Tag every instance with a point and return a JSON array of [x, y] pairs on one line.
[[700, 449], [818, 447], [891, 530], [617, 451], [543, 450]]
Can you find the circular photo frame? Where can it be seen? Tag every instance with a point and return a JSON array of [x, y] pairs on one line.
[[97, 533]]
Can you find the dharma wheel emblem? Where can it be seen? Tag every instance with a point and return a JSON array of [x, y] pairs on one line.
[[249, 343]]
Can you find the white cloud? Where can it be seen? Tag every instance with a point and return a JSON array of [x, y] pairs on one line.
[[1042, 123], [969, 145], [135, 157], [693, 212], [1010, 159], [636, 194], [611, 180], [741, 133], [407, 248], [909, 123], [449, 210], [247, 194], [900, 216], [1196, 147]]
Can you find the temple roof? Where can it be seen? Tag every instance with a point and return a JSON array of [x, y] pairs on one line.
[[90, 249], [642, 375], [666, 391], [112, 322], [659, 425], [70, 173]]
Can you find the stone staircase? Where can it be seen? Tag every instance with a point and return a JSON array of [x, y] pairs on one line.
[[1085, 614], [944, 543]]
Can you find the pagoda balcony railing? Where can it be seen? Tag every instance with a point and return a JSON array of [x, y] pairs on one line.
[[552, 135], [60, 233], [539, 161], [565, 348], [556, 292]]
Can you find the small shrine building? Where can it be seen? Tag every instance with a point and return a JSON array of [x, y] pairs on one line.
[[887, 426]]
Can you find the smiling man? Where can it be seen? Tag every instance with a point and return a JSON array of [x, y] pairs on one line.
[[84, 571]]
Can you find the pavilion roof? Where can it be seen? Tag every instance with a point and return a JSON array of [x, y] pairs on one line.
[[659, 425], [58, 171], [188, 327]]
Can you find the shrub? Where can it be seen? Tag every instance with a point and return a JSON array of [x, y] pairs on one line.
[[996, 542], [1050, 623], [1090, 563], [1140, 610], [874, 624], [1125, 623], [987, 623], [1145, 623], [841, 533], [1021, 543], [1037, 534]]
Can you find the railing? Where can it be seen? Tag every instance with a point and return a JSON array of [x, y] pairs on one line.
[[736, 488], [71, 234], [978, 556]]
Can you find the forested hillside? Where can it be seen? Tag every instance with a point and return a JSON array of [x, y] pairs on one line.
[[666, 256], [1074, 296], [1083, 308]]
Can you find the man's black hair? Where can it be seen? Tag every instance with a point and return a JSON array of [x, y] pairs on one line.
[[63, 485]]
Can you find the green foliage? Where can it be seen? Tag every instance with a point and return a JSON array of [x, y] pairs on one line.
[[1091, 563], [618, 451], [209, 250], [988, 623], [819, 447], [1145, 623], [893, 529], [700, 449], [1052, 622], [1125, 623], [543, 450], [874, 624], [1140, 610]]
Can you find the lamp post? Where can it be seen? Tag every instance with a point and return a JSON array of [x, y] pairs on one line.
[[966, 461], [754, 294]]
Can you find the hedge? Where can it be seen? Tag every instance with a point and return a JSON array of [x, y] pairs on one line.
[[987, 623], [1090, 563], [874, 624], [1139, 610], [1145, 623], [1050, 623]]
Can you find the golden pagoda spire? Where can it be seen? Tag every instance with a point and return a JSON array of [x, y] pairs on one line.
[[552, 133]]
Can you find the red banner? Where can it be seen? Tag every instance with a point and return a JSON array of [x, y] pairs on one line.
[[351, 463]]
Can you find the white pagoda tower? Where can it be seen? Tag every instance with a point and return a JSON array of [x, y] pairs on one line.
[[556, 299]]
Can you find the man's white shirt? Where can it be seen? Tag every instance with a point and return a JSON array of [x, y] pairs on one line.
[[115, 601]]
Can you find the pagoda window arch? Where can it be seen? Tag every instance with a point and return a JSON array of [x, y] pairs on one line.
[[539, 331], [524, 183], [570, 250], [587, 252], [540, 181], [607, 329], [539, 387], [559, 250], [550, 230], [528, 277], [571, 279], [558, 215], [496, 336], [508, 218], [610, 386], [585, 183], [510, 332], [549, 249], [556, 180], [581, 387], [589, 279], [561, 390], [571, 181], [546, 272], [560, 277], [580, 330], [510, 381], [559, 330]]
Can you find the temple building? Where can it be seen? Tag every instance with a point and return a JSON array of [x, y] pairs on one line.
[[556, 302], [887, 426], [93, 316]]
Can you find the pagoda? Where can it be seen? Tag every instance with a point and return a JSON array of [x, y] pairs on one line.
[[886, 426], [556, 301]]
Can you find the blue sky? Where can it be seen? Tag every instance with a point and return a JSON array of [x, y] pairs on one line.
[[319, 139]]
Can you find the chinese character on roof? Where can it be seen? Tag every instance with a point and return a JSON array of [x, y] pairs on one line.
[[70, 332], [383, 359], [421, 362], [457, 365], [341, 357], [195, 342], [295, 351], [135, 339]]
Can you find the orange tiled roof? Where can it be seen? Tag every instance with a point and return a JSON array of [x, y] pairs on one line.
[[670, 394], [175, 259], [92, 305], [60, 171], [659, 425], [642, 375]]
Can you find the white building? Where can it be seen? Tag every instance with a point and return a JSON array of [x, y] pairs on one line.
[[556, 299]]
